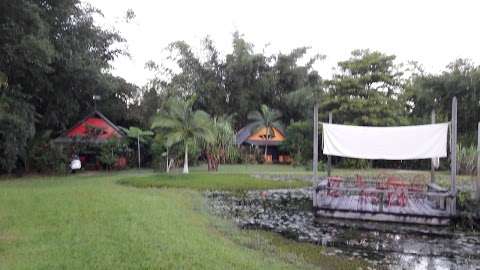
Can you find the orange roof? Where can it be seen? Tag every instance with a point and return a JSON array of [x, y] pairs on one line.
[[248, 135], [261, 135]]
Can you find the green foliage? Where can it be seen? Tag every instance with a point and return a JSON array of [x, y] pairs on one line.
[[16, 128], [181, 124], [265, 118], [299, 142], [239, 82], [44, 156], [425, 92], [222, 148], [353, 163], [63, 58], [138, 137], [135, 132], [366, 91], [469, 209], [53, 59], [110, 151], [466, 159]]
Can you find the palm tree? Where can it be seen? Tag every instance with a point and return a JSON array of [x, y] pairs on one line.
[[182, 124], [222, 147], [139, 135], [265, 118]]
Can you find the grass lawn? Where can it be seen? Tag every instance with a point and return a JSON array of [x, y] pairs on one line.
[[90, 222], [443, 177], [210, 181]]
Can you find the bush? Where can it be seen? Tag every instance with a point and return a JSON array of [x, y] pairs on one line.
[[111, 151], [44, 156], [466, 159], [250, 155], [469, 216], [353, 163], [322, 165], [298, 142]]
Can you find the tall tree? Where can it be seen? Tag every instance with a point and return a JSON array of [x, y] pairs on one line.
[[267, 119], [367, 91], [17, 119], [183, 125], [55, 57], [428, 91]]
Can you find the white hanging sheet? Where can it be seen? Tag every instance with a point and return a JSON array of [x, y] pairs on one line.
[[389, 143]]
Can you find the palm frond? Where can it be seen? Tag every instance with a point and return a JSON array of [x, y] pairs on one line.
[[255, 116]]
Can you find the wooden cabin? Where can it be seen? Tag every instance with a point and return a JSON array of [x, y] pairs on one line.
[[249, 137], [92, 130]]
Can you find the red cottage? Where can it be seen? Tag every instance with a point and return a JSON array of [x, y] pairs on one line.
[[92, 130]]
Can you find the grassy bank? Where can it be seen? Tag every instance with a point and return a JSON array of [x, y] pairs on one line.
[[89, 222], [210, 181], [443, 177]]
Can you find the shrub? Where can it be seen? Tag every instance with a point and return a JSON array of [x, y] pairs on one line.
[[466, 159], [469, 216], [353, 163], [299, 142], [44, 156], [322, 165], [110, 152]]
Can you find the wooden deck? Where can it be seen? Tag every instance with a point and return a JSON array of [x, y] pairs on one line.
[[431, 208]]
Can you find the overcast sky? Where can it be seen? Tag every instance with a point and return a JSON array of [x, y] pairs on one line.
[[433, 33]]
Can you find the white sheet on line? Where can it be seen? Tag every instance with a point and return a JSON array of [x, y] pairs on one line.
[[390, 143]]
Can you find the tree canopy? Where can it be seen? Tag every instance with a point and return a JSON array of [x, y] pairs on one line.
[[54, 58]]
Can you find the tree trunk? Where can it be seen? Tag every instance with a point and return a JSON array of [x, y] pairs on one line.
[[217, 162], [209, 161], [185, 161], [168, 163], [266, 144], [138, 149]]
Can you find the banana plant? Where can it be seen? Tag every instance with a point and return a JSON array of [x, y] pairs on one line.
[[140, 135]]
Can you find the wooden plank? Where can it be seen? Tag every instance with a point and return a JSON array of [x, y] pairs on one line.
[[383, 217]]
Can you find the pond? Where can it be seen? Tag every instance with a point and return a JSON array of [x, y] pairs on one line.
[[393, 246]]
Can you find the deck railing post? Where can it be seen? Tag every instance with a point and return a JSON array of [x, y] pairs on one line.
[[315, 142], [329, 158], [453, 158], [432, 165]]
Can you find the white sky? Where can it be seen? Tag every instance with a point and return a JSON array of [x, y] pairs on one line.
[[433, 33]]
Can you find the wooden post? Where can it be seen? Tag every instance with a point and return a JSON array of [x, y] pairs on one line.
[[315, 142], [453, 158], [432, 165], [329, 158], [477, 185]]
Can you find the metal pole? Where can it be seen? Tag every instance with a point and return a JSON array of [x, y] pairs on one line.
[[454, 156], [315, 142], [329, 158], [477, 185], [432, 164]]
